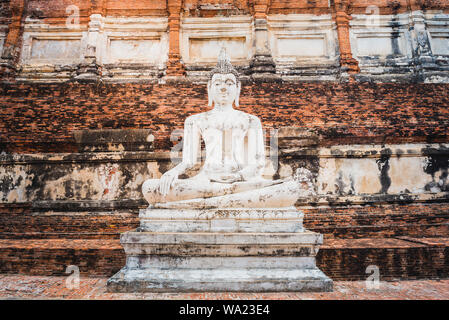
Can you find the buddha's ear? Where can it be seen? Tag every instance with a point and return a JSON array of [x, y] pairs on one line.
[[209, 94], [237, 95]]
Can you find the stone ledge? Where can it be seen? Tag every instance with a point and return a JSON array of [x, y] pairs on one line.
[[85, 157], [310, 202], [228, 238], [300, 142], [222, 225], [207, 214], [222, 220], [221, 250], [345, 200], [103, 140], [81, 205], [217, 280], [194, 262]]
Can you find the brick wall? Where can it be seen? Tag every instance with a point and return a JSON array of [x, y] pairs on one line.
[[42, 117]]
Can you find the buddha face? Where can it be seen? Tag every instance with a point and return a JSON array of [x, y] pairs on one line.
[[224, 89]]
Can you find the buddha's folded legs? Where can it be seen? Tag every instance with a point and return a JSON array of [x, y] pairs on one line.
[[186, 189], [279, 195]]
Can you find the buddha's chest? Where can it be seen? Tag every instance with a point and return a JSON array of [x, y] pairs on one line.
[[224, 130], [224, 121], [228, 136]]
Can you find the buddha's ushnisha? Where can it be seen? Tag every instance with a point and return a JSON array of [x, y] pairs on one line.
[[235, 156]]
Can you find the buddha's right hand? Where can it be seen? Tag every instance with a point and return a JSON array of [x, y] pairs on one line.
[[167, 180]]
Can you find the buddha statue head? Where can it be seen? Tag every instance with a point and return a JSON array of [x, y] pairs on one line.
[[223, 87]]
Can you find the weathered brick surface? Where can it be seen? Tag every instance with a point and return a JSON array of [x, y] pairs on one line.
[[346, 222], [81, 225], [389, 236], [44, 287], [208, 8], [41, 118], [5, 11], [397, 259], [51, 257], [299, 7], [200, 8], [379, 220], [21, 221], [340, 259]]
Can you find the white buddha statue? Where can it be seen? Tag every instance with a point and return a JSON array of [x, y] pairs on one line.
[[235, 157]]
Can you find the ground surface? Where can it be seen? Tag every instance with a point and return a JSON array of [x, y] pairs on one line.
[[36, 287]]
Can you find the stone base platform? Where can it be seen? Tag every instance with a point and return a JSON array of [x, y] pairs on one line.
[[220, 250], [219, 280]]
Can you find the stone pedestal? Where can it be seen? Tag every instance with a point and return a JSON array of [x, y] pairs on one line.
[[257, 250]]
